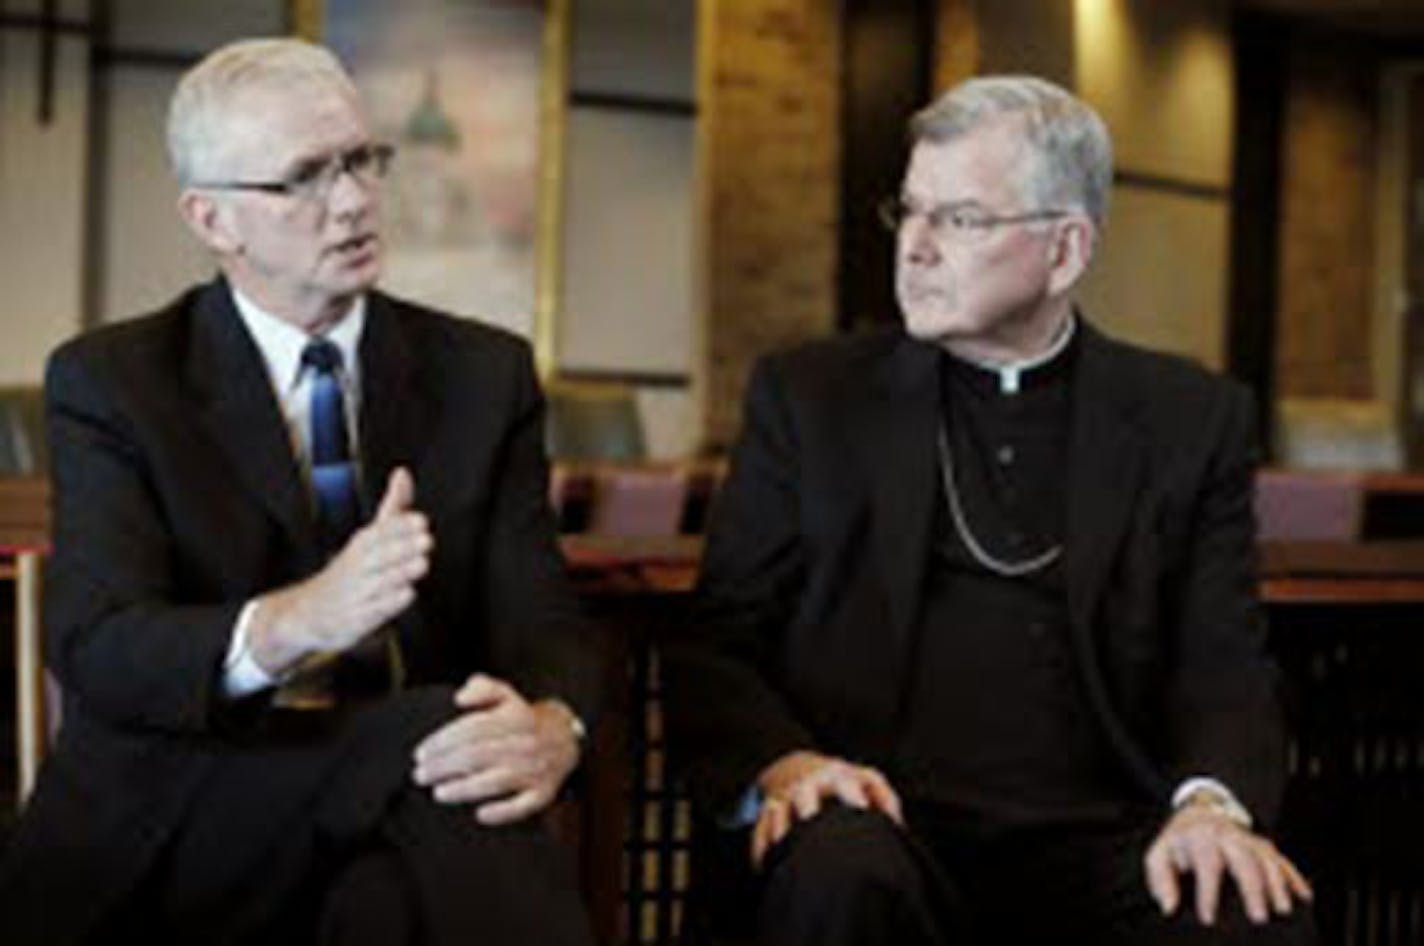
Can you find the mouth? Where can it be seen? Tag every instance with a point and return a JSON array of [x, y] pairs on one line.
[[355, 247]]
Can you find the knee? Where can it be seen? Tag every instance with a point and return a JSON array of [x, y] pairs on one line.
[[1233, 928], [843, 855]]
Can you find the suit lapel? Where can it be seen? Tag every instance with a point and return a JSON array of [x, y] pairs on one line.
[[899, 443], [1105, 464], [396, 416], [242, 416]]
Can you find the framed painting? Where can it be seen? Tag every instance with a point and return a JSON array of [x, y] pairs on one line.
[[472, 94]]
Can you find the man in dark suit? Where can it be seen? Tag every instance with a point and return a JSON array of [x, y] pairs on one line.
[[321, 668], [976, 655]]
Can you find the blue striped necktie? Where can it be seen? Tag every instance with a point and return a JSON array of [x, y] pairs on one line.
[[375, 665], [333, 474]]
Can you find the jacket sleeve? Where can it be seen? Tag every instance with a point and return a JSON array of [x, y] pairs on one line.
[[541, 637], [119, 636], [1223, 711], [727, 718]]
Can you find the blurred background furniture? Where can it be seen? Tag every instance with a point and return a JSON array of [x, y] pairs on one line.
[[593, 421], [24, 541], [1294, 505], [24, 451]]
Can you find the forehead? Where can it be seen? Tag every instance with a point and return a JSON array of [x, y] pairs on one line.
[[985, 164], [270, 128]]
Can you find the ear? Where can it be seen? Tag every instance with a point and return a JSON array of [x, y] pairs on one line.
[[211, 221], [1071, 251]]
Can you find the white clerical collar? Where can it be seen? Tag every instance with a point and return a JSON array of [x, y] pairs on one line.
[[1011, 374], [281, 343]]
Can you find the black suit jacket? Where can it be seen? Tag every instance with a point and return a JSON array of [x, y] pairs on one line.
[[811, 583], [178, 498]]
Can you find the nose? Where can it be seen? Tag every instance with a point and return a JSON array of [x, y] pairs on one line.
[[350, 197], [917, 241]]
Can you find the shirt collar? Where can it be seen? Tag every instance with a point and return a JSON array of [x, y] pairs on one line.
[[1010, 376], [281, 342]]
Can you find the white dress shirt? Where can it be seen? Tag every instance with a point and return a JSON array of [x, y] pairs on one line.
[[281, 344]]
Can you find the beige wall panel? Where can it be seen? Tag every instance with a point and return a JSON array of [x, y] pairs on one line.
[[1160, 276], [42, 188], [627, 241], [1327, 225], [768, 156], [194, 25], [1161, 75], [148, 254]]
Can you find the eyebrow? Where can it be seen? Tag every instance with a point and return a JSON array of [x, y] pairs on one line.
[[955, 204]]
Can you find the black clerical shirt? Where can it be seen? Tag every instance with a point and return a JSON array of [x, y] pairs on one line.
[[996, 724]]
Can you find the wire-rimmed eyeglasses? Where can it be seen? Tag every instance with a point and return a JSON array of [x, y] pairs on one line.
[[313, 180], [963, 222]]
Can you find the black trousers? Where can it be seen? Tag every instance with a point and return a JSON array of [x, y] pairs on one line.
[[315, 833], [852, 877]]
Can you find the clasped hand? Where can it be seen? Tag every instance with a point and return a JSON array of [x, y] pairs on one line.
[[504, 755], [794, 787]]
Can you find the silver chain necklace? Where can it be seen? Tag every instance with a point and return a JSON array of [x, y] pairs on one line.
[[961, 526]]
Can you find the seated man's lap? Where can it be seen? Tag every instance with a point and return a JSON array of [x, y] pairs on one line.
[[1070, 883], [281, 818], [1049, 885]]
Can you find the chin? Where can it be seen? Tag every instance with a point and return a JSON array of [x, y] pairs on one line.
[[358, 281], [931, 327]]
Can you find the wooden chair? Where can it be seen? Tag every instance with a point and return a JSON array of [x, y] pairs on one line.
[[24, 541], [1296, 505], [638, 500]]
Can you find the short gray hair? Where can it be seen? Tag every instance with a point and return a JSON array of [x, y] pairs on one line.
[[202, 102], [1070, 149]]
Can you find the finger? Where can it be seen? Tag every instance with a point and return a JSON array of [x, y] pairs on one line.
[[850, 791], [883, 796], [1245, 868], [374, 612], [387, 540], [761, 834], [515, 808], [1206, 864], [1273, 870], [400, 493], [441, 741], [1162, 877], [778, 823], [468, 758], [1298, 884], [479, 731], [400, 564], [479, 787], [806, 798], [482, 691]]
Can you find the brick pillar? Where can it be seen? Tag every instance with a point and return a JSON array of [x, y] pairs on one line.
[[769, 170], [956, 43]]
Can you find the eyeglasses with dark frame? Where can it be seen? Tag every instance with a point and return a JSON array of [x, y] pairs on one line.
[[313, 180], [959, 221]]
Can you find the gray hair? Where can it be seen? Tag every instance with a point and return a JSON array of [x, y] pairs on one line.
[[1069, 146], [206, 95]]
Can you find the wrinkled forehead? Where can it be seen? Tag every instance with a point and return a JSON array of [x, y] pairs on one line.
[[274, 124], [990, 162]]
